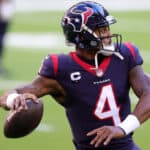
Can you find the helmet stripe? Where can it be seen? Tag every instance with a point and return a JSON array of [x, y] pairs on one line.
[[87, 14]]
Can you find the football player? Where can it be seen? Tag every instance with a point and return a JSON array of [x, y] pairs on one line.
[[93, 82]]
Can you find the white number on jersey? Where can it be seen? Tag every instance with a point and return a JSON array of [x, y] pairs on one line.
[[107, 100]]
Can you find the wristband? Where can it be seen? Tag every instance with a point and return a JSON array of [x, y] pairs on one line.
[[129, 124], [10, 99]]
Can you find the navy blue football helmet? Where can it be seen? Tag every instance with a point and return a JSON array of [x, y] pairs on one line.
[[80, 21]]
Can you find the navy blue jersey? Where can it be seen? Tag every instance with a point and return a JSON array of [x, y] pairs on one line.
[[95, 101]]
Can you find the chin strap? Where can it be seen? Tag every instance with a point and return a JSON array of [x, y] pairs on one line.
[[106, 51], [110, 50]]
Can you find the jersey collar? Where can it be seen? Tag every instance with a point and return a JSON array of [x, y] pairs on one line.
[[88, 67]]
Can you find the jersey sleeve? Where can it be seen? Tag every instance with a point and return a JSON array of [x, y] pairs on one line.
[[134, 56], [49, 66]]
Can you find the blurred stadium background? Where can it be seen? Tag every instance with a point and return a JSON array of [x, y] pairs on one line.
[[34, 32]]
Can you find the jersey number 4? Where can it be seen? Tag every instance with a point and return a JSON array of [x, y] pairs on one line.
[[106, 106]]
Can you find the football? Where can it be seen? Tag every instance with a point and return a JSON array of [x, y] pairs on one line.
[[20, 124]]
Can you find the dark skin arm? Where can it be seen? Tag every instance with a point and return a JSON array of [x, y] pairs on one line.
[[140, 84], [39, 87]]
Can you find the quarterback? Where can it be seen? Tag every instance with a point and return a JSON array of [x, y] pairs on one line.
[[93, 82]]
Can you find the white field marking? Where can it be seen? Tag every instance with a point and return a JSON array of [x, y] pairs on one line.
[[45, 41], [10, 84], [43, 127], [35, 40]]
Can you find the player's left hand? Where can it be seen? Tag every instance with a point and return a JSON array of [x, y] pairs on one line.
[[105, 134]]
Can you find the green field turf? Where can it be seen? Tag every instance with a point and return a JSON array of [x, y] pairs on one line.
[[23, 65]]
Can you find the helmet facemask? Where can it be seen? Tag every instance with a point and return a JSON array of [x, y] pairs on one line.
[[112, 47]]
